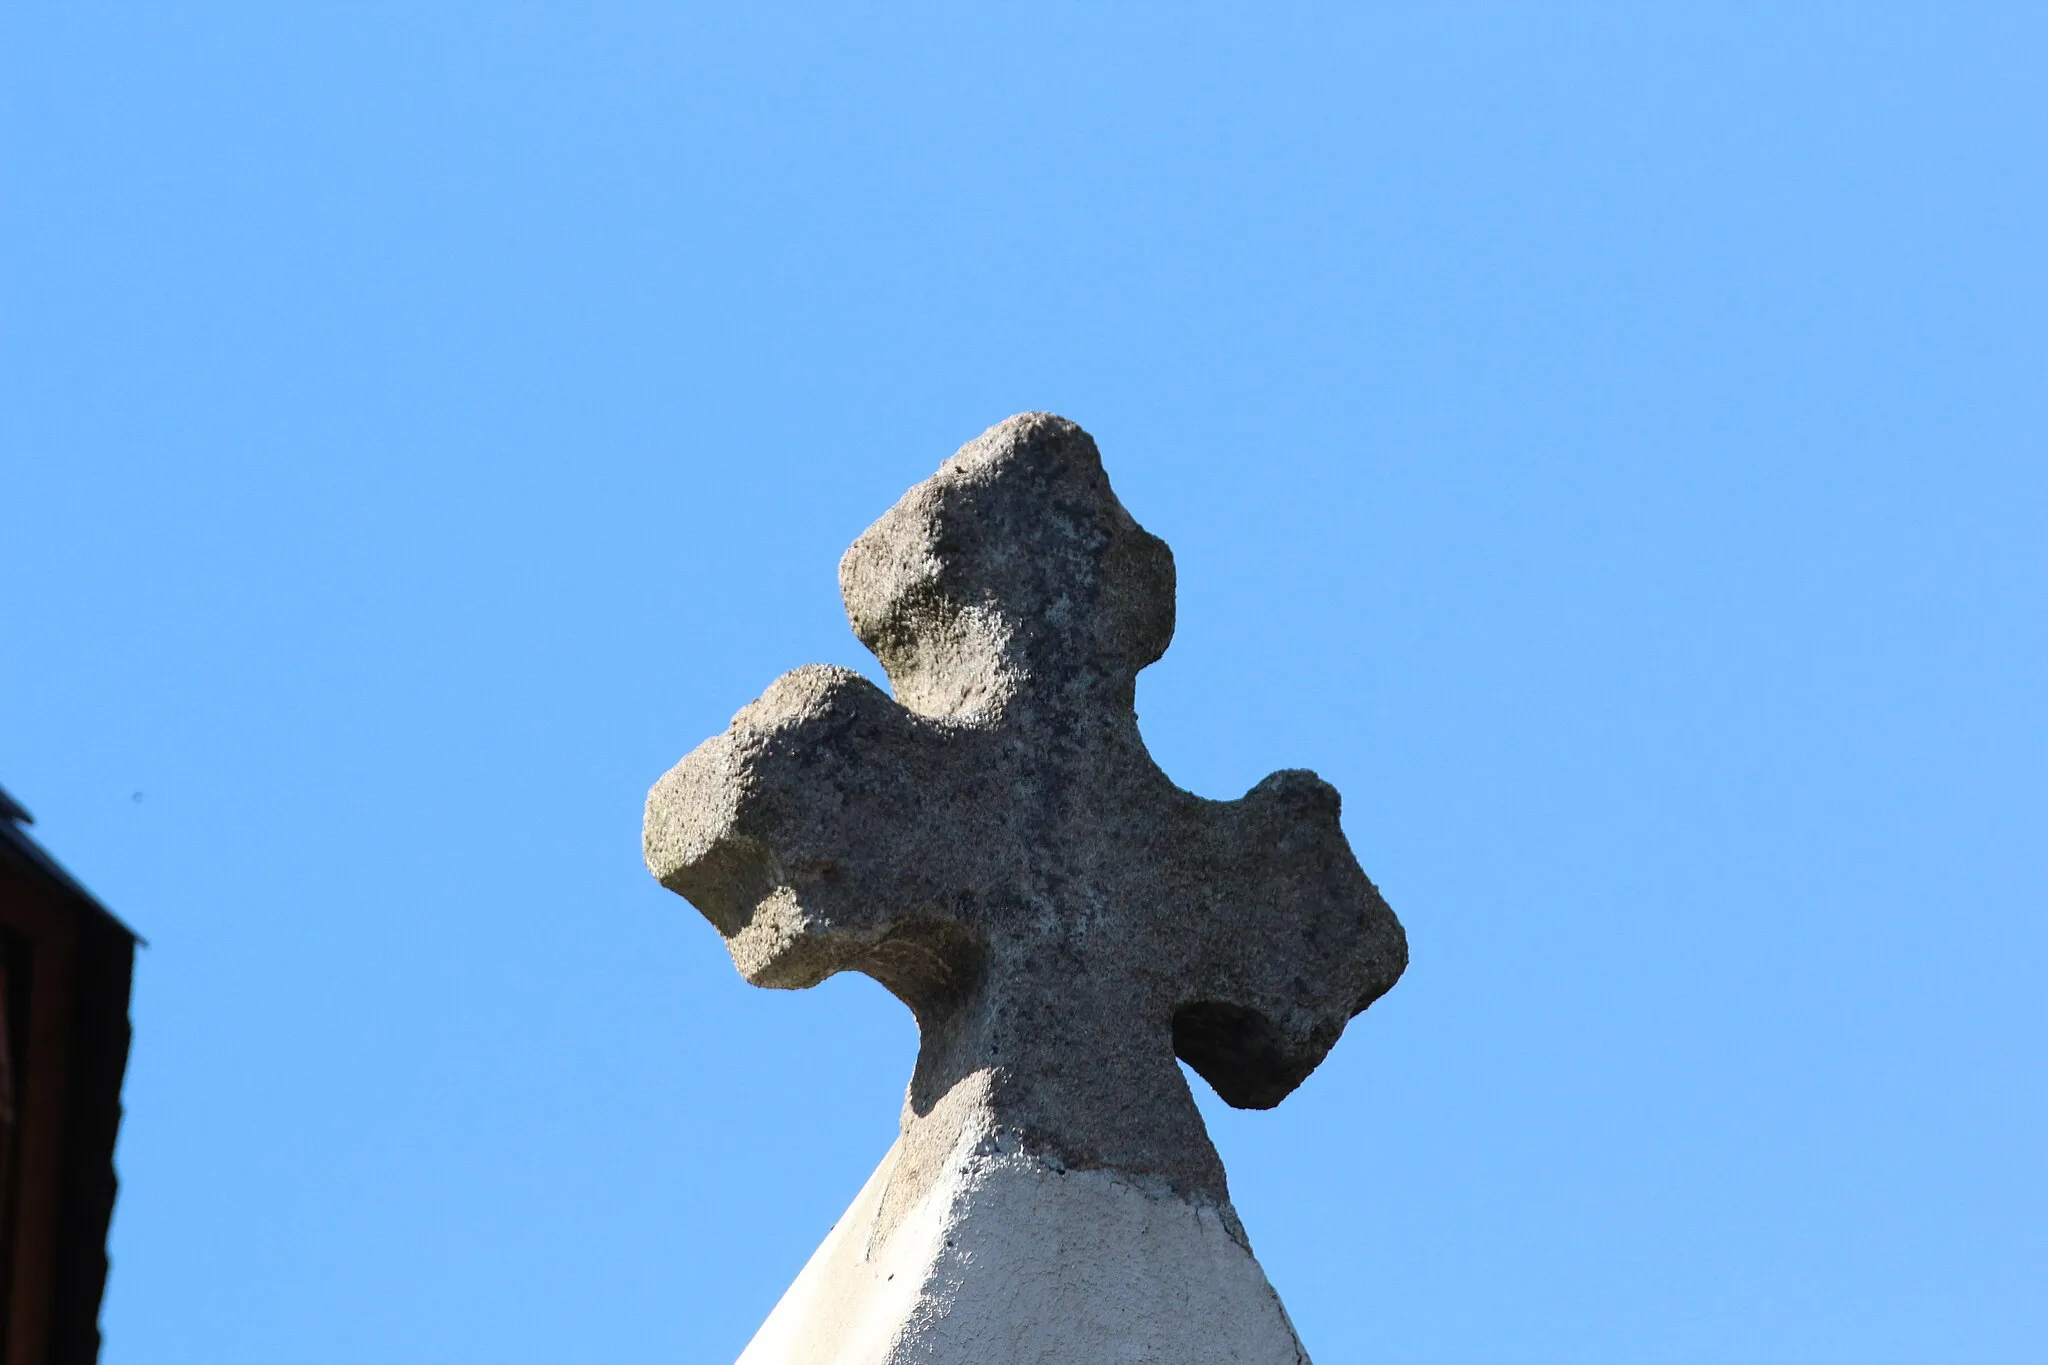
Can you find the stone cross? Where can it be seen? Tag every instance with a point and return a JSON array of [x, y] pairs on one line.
[[995, 846]]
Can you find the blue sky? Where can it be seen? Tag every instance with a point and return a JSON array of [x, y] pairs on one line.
[[1605, 441]]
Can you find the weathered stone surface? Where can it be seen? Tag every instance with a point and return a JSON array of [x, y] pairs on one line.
[[997, 848]]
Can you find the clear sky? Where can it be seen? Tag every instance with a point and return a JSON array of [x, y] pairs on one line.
[[1605, 441]]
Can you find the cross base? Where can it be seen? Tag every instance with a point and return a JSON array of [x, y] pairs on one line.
[[1008, 1258]]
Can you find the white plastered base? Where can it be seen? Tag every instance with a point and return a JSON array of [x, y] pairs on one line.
[[1008, 1260]]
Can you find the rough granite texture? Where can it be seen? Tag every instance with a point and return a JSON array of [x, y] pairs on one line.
[[997, 848]]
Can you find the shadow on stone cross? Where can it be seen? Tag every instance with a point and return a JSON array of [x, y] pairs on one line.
[[997, 848]]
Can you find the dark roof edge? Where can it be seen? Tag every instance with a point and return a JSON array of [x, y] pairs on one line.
[[16, 841]]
